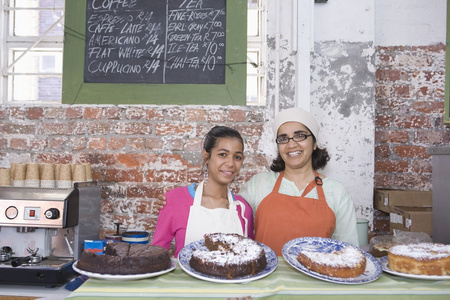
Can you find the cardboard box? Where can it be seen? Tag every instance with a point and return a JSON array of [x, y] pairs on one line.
[[385, 200], [415, 219]]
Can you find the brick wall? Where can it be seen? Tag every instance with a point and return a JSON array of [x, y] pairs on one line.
[[136, 152], [410, 87]]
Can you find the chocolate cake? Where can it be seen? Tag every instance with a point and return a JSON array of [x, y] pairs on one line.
[[126, 259], [229, 256]]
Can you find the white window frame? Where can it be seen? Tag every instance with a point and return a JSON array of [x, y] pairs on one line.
[[10, 43], [258, 44]]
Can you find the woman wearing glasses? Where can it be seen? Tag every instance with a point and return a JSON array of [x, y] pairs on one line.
[[295, 200]]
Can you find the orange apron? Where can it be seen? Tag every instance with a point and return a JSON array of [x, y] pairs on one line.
[[280, 218]]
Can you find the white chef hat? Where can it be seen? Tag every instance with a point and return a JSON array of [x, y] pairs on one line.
[[296, 115]]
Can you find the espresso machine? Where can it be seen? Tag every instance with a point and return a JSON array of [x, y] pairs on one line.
[[42, 231]]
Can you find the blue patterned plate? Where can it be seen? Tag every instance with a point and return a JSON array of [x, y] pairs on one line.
[[385, 265], [185, 255], [292, 248]]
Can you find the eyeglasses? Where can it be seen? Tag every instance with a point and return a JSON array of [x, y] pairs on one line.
[[296, 138]]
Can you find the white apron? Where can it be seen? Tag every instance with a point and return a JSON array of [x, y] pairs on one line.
[[203, 220]]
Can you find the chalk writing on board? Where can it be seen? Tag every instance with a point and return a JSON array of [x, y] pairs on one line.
[[158, 41]]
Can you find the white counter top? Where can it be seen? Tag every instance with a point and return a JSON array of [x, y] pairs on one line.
[[44, 293]]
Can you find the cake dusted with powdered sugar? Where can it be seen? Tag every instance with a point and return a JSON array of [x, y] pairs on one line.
[[345, 263], [420, 259], [229, 256]]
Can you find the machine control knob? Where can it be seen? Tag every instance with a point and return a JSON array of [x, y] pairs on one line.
[[52, 213], [11, 212]]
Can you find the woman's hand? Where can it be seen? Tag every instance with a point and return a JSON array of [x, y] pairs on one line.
[[159, 203]]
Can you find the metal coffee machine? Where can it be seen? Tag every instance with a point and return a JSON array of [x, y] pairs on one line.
[[42, 231]]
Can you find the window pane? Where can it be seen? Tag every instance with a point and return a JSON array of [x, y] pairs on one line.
[[28, 22], [38, 60], [36, 87]]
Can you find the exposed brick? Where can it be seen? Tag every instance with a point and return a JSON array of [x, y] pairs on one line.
[[391, 136], [133, 128], [175, 113], [411, 121], [93, 113], [173, 129], [154, 144], [429, 107], [133, 160], [143, 206], [74, 112], [165, 176], [194, 145], [54, 113], [383, 121], [136, 143], [38, 144], [35, 113], [97, 144], [421, 166], [411, 151], [154, 114], [382, 151], [117, 143], [402, 91], [18, 144], [175, 144], [195, 115], [235, 115], [114, 112], [431, 137], [57, 143], [388, 75], [134, 113], [216, 116], [53, 129], [17, 113], [100, 127], [391, 166], [78, 143], [131, 175], [18, 128]]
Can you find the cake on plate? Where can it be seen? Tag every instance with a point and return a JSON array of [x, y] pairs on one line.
[[229, 256], [345, 263], [420, 259], [126, 259]]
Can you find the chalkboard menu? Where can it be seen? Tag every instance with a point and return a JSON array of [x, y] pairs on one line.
[[155, 52], [157, 41]]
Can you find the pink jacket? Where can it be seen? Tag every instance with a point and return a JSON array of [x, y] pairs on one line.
[[173, 218]]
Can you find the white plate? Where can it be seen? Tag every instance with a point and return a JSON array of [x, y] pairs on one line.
[[385, 265], [173, 264], [292, 248], [185, 255]]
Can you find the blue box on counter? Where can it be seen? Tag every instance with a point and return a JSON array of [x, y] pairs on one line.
[[95, 246]]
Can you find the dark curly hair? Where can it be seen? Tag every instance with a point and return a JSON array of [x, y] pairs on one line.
[[320, 158]]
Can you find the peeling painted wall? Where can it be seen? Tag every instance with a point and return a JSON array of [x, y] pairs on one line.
[[342, 99]]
